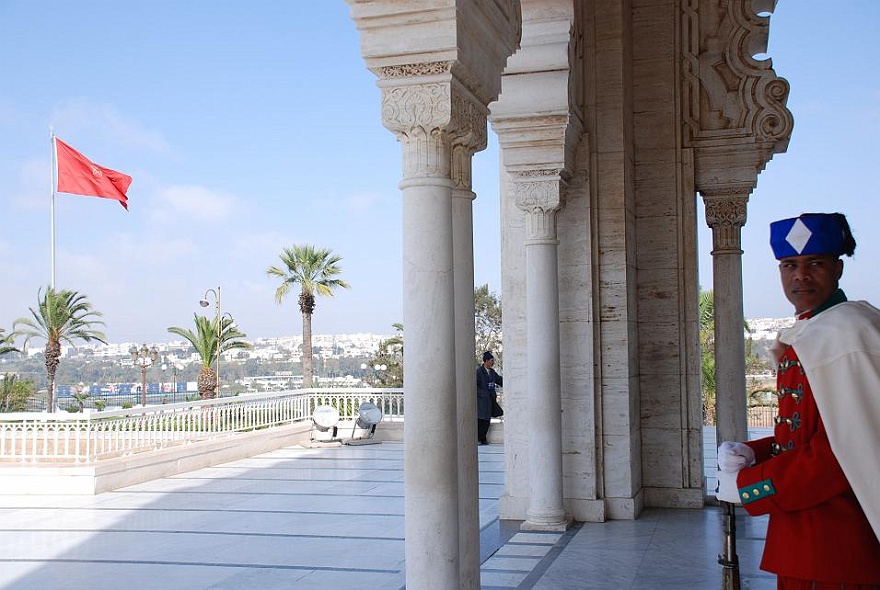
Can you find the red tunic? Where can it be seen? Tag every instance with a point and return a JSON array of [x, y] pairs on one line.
[[817, 530]]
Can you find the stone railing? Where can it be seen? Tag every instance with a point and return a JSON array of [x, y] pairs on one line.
[[90, 436]]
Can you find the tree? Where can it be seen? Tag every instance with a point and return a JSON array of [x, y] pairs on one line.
[[487, 321], [315, 271], [60, 316], [208, 347], [14, 393], [760, 380], [81, 397], [6, 343], [390, 354], [707, 355], [707, 359]]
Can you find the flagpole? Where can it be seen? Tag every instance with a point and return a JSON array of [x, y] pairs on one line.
[[54, 172]]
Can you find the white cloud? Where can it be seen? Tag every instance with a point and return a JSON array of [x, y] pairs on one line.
[[106, 121], [193, 203], [34, 185]]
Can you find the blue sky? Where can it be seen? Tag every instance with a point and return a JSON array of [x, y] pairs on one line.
[[251, 126]]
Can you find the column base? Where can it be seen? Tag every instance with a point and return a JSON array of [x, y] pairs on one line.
[[559, 526]]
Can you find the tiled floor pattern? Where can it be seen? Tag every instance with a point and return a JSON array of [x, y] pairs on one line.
[[333, 518], [514, 562]]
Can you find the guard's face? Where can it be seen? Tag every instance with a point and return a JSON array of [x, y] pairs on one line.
[[810, 280]]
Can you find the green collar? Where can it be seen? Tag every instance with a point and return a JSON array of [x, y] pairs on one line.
[[838, 297]]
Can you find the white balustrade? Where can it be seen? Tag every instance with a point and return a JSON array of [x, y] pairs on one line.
[[87, 437]]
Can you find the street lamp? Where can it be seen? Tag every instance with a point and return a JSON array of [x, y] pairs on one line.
[[144, 358], [219, 317], [168, 364], [204, 303], [376, 368]]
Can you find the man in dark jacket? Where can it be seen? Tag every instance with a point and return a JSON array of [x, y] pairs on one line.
[[487, 379]]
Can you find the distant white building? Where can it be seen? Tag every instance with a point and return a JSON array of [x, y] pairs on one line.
[[767, 328]]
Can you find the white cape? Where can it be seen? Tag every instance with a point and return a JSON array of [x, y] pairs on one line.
[[840, 352]]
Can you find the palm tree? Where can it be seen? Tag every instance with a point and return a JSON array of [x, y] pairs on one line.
[[60, 316], [315, 271], [205, 341], [707, 355], [6, 343], [81, 397]]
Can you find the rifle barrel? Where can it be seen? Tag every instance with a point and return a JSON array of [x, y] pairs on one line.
[[728, 559]]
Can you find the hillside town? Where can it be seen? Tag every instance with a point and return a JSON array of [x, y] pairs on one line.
[[767, 328], [110, 374], [342, 360]]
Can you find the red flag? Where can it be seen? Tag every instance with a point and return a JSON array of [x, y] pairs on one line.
[[80, 176]]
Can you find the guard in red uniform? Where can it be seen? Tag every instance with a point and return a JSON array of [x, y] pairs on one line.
[[817, 476]]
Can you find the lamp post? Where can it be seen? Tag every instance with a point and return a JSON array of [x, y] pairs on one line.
[[144, 358], [166, 364], [204, 303], [219, 317]]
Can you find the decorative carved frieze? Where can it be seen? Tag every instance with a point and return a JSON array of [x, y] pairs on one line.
[[469, 125], [730, 93], [733, 104], [726, 215], [411, 70]]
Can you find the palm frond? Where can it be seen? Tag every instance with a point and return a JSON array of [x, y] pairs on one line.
[[60, 316]]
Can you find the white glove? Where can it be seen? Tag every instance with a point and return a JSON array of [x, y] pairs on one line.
[[726, 491], [733, 456]]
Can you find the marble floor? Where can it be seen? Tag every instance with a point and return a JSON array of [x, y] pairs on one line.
[[302, 518]]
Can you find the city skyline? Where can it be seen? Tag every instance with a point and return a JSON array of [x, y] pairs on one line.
[[760, 328], [249, 130]]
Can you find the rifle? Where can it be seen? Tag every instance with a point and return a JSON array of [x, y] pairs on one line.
[[728, 559]]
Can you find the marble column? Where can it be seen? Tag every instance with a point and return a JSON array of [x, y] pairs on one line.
[[439, 64], [540, 198], [419, 116], [440, 126], [463, 197], [726, 215]]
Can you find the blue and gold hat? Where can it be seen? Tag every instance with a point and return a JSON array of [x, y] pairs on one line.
[[810, 233]]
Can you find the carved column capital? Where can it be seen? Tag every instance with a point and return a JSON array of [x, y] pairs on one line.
[[440, 124], [540, 194], [469, 135], [726, 215], [416, 108]]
